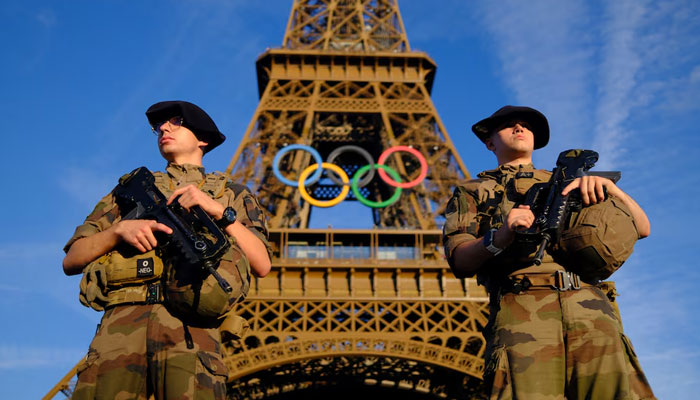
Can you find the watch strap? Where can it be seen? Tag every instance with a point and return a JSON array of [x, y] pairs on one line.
[[227, 218], [488, 243]]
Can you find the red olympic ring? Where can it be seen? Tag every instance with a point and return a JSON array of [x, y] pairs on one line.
[[406, 185]]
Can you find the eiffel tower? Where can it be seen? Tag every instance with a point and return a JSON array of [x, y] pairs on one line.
[[346, 312], [346, 75], [353, 311]]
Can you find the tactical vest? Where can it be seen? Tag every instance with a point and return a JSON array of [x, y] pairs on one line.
[[595, 243], [499, 193], [125, 276]]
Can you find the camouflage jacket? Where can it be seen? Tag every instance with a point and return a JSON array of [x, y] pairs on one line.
[[482, 204], [248, 211]]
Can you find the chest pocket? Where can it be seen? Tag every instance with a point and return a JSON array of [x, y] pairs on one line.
[[213, 184], [510, 192], [490, 210]]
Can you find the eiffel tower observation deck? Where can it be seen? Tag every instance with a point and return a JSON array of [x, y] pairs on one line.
[[345, 114]]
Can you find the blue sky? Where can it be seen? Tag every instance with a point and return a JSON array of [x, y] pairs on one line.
[[619, 77]]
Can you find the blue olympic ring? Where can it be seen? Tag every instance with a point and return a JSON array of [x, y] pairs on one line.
[[276, 165]]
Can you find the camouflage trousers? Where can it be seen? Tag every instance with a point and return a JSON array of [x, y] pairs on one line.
[[142, 352], [547, 344]]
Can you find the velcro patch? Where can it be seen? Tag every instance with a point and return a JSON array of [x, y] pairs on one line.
[[144, 267]]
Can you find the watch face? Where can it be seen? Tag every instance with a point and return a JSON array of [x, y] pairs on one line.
[[230, 215]]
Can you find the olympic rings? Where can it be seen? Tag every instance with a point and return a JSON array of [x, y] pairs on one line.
[[276, 164], [388, 174], [421, 159], [328, 203], [356, 149], [375, 204]]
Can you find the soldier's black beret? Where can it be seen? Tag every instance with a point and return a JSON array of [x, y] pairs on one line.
[[540, 127], [194, 118]]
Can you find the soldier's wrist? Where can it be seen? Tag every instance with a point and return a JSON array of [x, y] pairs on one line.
[[115, 230], [503, 237], [219, 212]]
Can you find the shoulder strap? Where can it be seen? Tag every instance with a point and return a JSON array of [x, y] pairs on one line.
[[215, 184], [490, 196]]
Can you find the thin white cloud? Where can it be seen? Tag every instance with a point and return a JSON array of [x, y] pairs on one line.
[[650, 68], [188, 48], [10, 288], [86, 186], [684, 377], [24, 251], [545, 50], [695, 75], [618, 69], [47, 17], [590, 71], [27, 357], [20, 263]]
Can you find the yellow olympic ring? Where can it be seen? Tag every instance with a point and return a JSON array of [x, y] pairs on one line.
[[328, 203]]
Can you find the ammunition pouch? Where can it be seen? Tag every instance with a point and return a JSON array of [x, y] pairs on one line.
[[119, 278], [598, 240], [93, 287], [193, 294], [233, 327]]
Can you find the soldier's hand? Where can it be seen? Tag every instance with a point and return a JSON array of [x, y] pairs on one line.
[[139, 233], [519, 218], [191, 196], [591, 188]]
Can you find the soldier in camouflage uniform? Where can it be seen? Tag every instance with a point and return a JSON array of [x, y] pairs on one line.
[[546, 338], [141, 350]]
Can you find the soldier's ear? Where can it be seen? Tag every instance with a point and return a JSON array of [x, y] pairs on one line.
[[489, 144]]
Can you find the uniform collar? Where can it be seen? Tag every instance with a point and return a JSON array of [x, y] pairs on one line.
[[506, 170], [185, 173]]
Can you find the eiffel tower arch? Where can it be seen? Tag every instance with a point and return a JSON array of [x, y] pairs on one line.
[[345, 310]]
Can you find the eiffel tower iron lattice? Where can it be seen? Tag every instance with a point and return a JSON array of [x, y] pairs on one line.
[[376, 308], [374, 311]]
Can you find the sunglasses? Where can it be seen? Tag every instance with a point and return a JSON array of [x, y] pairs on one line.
[[512, 123], [175, 122]]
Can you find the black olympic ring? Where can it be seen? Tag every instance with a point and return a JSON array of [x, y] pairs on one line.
[[355, 149]]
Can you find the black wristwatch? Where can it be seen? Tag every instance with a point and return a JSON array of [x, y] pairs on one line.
[[488, 243], [227, 218]]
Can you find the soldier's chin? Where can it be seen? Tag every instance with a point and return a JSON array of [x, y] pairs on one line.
[[166, 153]]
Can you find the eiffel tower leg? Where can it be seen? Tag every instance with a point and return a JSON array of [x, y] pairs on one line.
[[417, 212]]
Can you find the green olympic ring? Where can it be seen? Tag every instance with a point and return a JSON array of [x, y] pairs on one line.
[[375, 204]]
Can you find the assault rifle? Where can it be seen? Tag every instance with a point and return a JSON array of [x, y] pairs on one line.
[[550, 207], [196, 240]]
